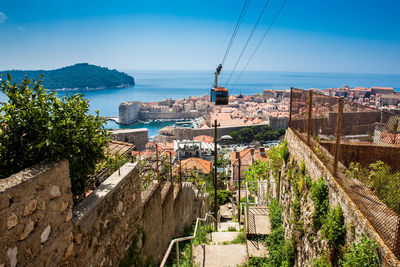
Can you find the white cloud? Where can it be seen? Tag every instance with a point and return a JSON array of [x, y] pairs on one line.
[[3, 17], [22, 29]]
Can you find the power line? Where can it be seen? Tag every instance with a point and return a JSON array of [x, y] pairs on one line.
[[248, 40], [259, 43], [239, 21]]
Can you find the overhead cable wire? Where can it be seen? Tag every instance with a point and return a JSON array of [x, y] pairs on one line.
[[248, 40], [259, 43], [239, 21]]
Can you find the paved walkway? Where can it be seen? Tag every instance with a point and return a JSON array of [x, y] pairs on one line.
[[219, 237], [219, 255]]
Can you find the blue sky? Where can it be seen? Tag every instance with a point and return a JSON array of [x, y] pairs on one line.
[[311, 36]]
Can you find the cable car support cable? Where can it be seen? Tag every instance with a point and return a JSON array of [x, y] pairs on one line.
[[248, 40], [259, 43], [239, 21]]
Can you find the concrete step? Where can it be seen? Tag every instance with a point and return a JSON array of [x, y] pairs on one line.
[[256, 249], [258, 221], [218, 237], [219, 255], [224, 226]]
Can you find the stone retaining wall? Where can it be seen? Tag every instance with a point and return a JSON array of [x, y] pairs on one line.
[[40, 226], [356, 223]]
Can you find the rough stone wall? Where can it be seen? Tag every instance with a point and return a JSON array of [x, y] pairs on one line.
[[170, 115], [152, 222], [40, 226], [308, 246], [356, 223], [107, 220], [35, 210], [138, 137]]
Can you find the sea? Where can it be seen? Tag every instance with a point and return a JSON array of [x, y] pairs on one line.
[[158, 85]]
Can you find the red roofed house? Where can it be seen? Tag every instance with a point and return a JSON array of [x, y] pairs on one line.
[[204, 138], [247, 158], [201, 165]]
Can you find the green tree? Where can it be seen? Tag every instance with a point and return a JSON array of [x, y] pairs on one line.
[[37, 126], [257, 171], [276, 156]]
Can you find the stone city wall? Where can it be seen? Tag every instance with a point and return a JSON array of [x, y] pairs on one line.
[[138, 137], [182, 133], [169, 115], [40, 226]]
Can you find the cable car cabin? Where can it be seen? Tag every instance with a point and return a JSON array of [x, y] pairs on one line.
[[219, 96]]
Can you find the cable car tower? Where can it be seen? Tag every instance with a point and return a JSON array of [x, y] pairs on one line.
[[219, 95]]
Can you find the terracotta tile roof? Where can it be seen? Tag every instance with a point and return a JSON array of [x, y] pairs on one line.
[[117, 147], [201, 165], [204, 138], [246, 157]]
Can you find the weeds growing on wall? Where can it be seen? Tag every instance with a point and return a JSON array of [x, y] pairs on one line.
[[281, 252], [320, 196], [321, 261], [275, 213], [363, 253], [334, 232]]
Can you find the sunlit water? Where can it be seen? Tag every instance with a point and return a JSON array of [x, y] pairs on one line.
[[158, 85]]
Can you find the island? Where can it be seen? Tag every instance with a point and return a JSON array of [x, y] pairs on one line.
[[78, 76]]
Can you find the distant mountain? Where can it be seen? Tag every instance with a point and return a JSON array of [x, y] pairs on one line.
[[78, 76]]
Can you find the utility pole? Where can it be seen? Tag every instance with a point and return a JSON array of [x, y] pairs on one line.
[[215, 172], [170, 165], [180, 171], [158, 173], [239, 163]]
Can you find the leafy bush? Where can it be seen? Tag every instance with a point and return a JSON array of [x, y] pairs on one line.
[[275, 213], [320, 196], [37, 126], [223, 197], [363, 253], [355, 171], [334, 229], [382, 181], [257, 262]]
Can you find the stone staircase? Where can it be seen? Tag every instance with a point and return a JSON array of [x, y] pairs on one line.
[[217, 254]]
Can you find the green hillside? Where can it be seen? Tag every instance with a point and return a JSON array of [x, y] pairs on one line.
[[78, 76]]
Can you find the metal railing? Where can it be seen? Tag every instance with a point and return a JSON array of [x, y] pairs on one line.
[[177, 240], [360, 146]]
